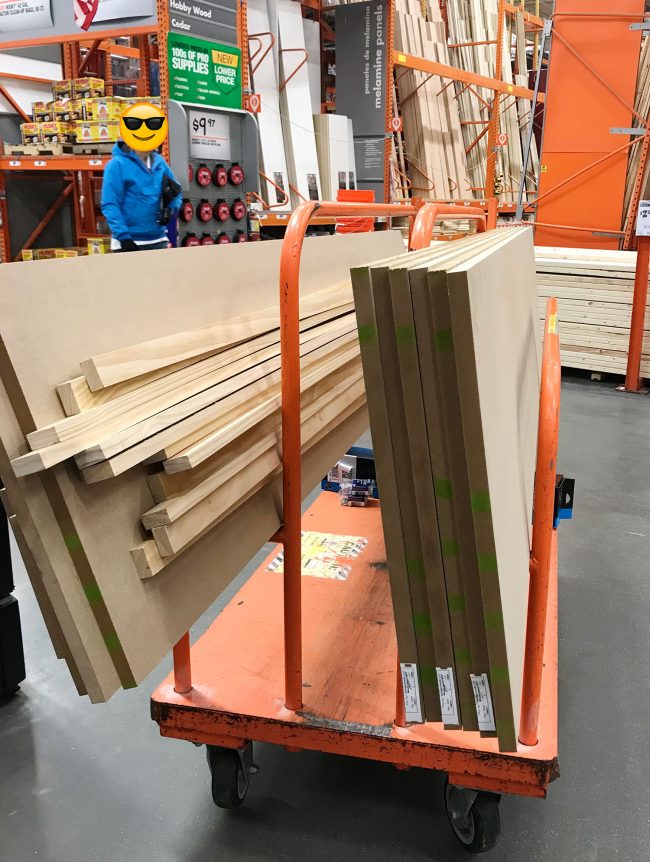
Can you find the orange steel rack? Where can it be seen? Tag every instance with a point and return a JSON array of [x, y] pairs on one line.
[[81, 173], [338, 689]]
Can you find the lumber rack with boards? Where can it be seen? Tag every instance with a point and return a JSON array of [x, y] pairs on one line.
[[331, 680]]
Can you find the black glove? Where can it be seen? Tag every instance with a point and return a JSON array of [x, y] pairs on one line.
[[170, 191], [128, 245]]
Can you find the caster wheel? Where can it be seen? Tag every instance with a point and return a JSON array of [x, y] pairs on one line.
[[474, 817], [231, 771]]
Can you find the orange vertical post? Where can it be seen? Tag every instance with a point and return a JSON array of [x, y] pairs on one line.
[[543, 508], [632, 378], [493, 129], [183, 665]]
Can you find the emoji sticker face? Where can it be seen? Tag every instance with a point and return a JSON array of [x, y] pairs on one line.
[[143, 127]]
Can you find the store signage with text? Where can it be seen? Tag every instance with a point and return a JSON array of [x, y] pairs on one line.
[[204, 73], [204, 18], [24, 15]]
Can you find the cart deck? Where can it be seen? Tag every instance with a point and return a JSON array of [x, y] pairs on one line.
[[350, 674]]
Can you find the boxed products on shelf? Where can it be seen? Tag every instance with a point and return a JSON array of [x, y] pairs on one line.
[[99, 244], [105, 108], [42, 112], [32, 133], [88, 88], [68, 110], [62, 89], [97, 131], [49, 253], [58, 133]]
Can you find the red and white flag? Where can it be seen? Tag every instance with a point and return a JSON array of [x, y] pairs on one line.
[[84, 12]]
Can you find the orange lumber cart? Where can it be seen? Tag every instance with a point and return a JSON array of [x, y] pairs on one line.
[[310, 663]]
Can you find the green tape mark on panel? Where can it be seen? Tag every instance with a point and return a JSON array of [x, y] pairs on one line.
[[462, 656], [444, 339], [112, 643], [367, 333], [494, 620], [442, 487], [422, 623], [499, 676], [481, 501], [487, 562], [405, 336], [415, 568], [72, 542], [449, 548], [456, 603], [429, 676], [93, 594]]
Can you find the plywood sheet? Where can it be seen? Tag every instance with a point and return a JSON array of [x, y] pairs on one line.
[[145, 618], [497, 350]]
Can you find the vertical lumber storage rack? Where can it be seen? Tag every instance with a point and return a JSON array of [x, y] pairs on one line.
[[349, 700]]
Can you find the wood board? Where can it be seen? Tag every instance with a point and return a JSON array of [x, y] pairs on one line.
[[148, 618]]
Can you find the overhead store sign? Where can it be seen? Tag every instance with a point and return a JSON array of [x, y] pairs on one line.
[[204, 73], [204, 18], [16, 15], [116, 10]]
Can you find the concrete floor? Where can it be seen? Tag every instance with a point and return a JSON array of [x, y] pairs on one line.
[[97, 784]]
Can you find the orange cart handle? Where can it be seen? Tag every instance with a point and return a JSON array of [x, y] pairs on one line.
[[543, 508], [290, 533]]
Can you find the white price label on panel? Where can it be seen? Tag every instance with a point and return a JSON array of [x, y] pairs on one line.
[[447, 692], [483, 698], [411, 687], [209, 136], [643, 219]]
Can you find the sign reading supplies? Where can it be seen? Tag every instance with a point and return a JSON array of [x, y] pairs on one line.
[[204, 73], [18, 15]]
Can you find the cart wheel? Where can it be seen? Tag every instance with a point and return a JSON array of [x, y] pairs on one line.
[[231, 771], [474, 817]]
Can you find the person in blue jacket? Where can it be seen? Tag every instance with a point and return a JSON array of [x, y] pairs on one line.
[[140, 196]]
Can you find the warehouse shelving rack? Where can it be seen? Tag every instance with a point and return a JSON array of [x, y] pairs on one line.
[[248, 667], [82, 173]]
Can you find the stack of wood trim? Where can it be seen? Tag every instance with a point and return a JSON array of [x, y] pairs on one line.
[[168, 460], [433, 153], [594, 291], [451, 359], [470, 21]]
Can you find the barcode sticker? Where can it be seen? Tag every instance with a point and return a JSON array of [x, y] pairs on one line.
[[411, 688], [447, 691], [483, 698]]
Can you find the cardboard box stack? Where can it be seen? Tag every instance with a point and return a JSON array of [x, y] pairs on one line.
[[79, 112]]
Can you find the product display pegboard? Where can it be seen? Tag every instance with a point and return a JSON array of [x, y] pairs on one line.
[[214, 208]]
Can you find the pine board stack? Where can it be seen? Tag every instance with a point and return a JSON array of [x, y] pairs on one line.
[[138, 489], [451, 361], [594, 291], [433, 154]]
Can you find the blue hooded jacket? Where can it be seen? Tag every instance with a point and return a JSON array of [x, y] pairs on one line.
[[131, 195]]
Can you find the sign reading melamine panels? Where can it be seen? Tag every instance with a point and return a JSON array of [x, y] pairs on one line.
[[18, 15], [204, 18], [116, 10], [209, 136], [204, 73], [361, 51]]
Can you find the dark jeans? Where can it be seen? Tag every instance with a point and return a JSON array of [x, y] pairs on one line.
[[153, 247]]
